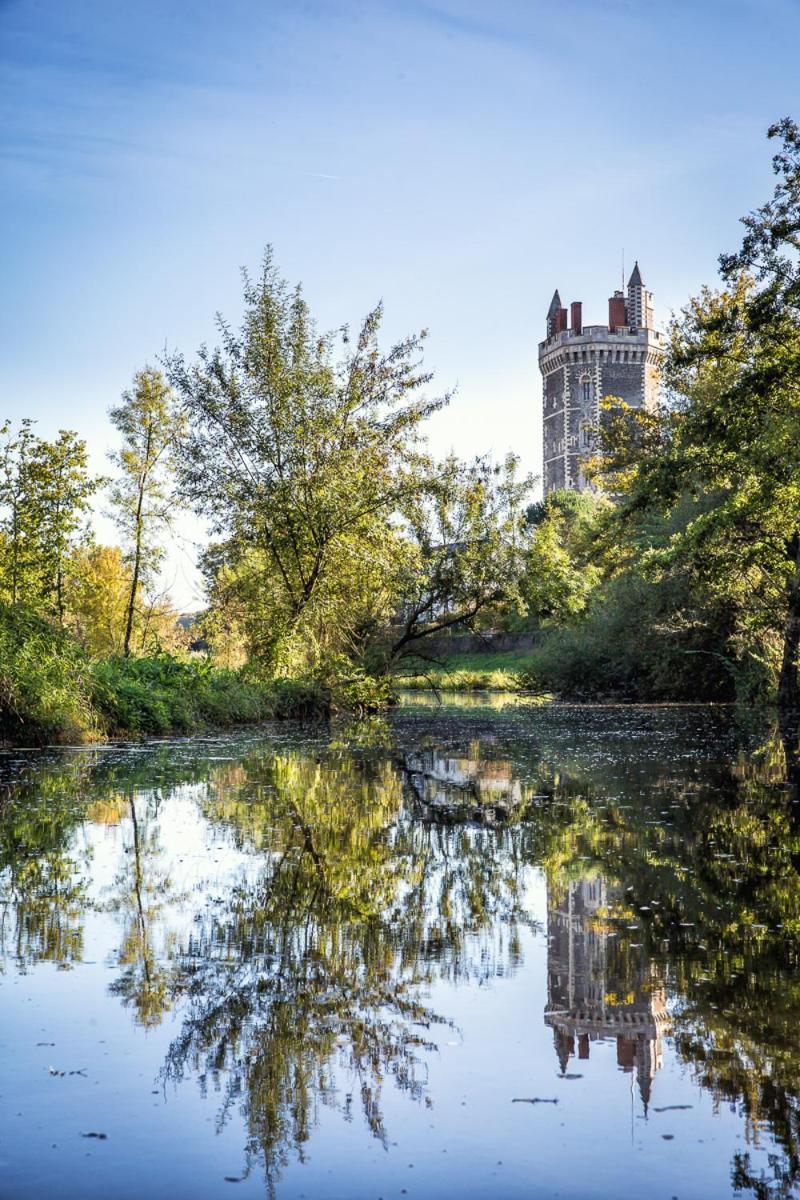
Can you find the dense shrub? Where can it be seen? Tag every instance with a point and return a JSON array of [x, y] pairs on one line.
[[297, 698], [360, 693], [639, 641], [44, 682], [162, 694], [51, 692]]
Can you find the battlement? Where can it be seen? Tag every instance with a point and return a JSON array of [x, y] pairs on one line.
[[589, 334], [632, 311]]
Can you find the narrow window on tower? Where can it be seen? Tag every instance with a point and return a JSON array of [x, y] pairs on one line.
[[584, 433]]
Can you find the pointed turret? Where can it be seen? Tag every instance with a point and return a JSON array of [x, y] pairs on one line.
[[645, 1071], [565, 1047], [640, 301], [556, 316]]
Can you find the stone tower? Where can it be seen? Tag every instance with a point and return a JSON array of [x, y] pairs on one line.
[[582, 364]]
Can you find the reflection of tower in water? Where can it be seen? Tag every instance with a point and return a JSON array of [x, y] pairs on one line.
[[442, 780], [599, 988]]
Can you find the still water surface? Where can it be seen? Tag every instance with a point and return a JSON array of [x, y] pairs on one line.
[[468, 951]]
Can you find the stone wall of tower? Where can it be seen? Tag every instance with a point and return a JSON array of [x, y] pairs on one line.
[[579, 371], [554, 400], [652, 380], [583, 414]]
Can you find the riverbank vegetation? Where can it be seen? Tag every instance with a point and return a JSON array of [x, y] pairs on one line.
[[339, 549], [479, 670], [51, 690]]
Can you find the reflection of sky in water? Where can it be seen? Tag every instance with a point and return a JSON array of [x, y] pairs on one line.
[[553, 993]]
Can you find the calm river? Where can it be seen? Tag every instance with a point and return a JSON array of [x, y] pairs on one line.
[[469, 951]]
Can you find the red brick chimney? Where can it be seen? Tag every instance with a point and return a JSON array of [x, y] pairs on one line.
[[561, 320], [575, 319], [617, 317]]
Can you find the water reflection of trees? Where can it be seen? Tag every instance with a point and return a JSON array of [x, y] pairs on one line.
[[43, 867], [318, 971], [47, 799], [140, 893]]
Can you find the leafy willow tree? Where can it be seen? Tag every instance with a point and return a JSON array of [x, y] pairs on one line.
[[142, 496], [729, 439], [465, 551], [341, 543], [299, 458]]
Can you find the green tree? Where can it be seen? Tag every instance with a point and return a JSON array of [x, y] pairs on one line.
[[99, 589], [142, 496], [728, 441], [298, 458], [15, 502], [562, 566], [45, 494], [353, 604], [62, 491]]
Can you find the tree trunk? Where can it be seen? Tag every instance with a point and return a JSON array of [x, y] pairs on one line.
[[14, 550], [138, 522], [132, 599], [788, 691], [60, 565], [60, 594]]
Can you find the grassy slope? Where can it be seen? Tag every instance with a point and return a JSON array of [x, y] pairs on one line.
[[499, 671]]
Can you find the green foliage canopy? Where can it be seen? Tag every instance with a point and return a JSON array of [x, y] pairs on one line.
[[45, 492]]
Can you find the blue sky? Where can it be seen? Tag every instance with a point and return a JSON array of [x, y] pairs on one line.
[[457, 158]]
